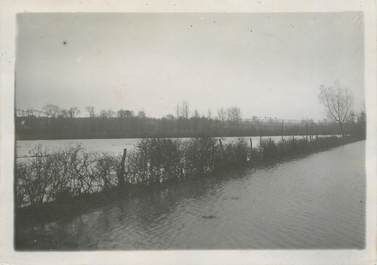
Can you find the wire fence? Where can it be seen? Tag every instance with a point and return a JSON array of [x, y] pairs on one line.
[[71, 173]]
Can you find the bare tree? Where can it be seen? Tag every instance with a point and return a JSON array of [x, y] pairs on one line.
[[221, 114], [90, 110], [103, 114], [52, 111], [73, 112], [337, 102], [183, 110], [234, 114]]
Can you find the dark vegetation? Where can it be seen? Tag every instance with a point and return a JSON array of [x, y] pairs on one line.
[[56, 123]]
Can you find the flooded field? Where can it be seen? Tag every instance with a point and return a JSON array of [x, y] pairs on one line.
[[314, 202], [111, 146]]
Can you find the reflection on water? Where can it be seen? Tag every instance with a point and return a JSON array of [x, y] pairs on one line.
[[314, 202]]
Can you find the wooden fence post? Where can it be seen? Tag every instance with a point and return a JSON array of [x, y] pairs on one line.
[[213, 156], [282, 131], [121, 169], [251, 149], [221, 149]]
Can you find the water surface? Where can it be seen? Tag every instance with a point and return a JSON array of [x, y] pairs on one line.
[[314, 202], [113, 146]]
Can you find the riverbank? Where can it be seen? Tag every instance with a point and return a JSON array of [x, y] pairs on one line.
[[313, 201], [63, 184]]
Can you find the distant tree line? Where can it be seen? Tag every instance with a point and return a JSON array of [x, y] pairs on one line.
[[53, 122]]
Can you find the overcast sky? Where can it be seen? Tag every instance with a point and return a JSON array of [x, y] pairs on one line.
[[266, 64]]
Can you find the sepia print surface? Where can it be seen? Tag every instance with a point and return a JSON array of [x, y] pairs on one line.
[[139, 131]]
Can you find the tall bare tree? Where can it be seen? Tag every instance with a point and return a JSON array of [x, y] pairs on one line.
[[337, 102], [221, 114], [183, 110], [234, 114]]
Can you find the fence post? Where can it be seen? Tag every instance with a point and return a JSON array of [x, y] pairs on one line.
[[121, 169], [213, 156], [251, 149], [310, 132], [221, 149], [282, 131]]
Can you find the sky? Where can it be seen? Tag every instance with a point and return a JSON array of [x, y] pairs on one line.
[[266, 64]]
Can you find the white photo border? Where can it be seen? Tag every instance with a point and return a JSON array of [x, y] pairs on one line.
[[9, 10]]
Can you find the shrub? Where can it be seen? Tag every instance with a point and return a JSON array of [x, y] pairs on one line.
[[155, 160], [199, 156], [234, 155], [104, 172], [71, 172]]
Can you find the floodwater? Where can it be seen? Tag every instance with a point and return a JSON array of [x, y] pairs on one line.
[[111, 146], [317, 201]]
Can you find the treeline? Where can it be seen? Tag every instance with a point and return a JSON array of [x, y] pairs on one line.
[[56, 123]]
